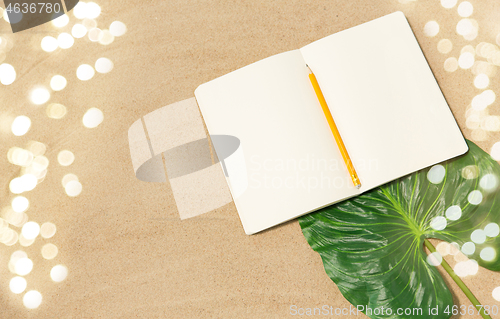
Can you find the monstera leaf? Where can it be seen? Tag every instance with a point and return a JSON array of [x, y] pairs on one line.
[[372, 246]]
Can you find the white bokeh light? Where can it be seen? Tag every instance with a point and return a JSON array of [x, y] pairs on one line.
[[470, 172], [464, 27], [495, 151], [488, 254], [18, 285], [454, 248], [106, 38], [473, 32], [58, 82], [484, 67], [65, 158], [30, 230], [468, 248], [468, 48], [78, 31], [103, 65], [95, 34], [21, 125], [5, 15], [443, 248], [448, 3], [60, 21], [92, 118], [40, 96], [40, 163], [434, 259], [49, 251], [59, 273], [453, 212], [117, 28], [73, 188], [478, 236], [475, 197], [93, 10], [80, 10], [85, 72], [20, 204], [25, 242], [28, 182], [478, 103], [466, 60], [460, 270], [444, 46], [438, 223], [491, 123], [65, 41], [431, 28], [49, 44], [68, 178], [465, 9], [11, 238], [7, 74], [436, 174], [32, 299], [17, 219], [492, 230], [451, 64], [481, 81], [496, 293], [488, 182], [16, 186], [89, 24], [23, 266], [18, 254], [489, 97], [19, 156], [466, 268], [56, 110], [48, 230]]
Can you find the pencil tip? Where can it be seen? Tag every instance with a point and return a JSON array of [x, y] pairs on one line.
[[358, 186]]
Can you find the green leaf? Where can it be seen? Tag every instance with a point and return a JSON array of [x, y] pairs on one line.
[[372, 245]]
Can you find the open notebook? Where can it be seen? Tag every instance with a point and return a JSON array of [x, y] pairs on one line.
[[382, 95]]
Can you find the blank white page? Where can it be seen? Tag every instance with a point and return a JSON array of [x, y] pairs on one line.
[[385, 100], [288, 163]]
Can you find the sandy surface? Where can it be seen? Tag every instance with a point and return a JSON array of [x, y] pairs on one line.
[[126, 249]]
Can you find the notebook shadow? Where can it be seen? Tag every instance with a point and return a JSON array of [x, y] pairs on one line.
[[189, 158]]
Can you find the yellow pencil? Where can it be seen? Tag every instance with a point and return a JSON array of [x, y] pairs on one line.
[[335, 131]]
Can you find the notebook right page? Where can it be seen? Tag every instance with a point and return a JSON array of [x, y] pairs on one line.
[[385, 101]]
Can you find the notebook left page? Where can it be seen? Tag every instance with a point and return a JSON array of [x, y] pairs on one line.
[[287, 163]]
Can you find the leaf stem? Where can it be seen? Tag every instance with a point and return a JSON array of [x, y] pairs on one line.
[[459, 282]]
